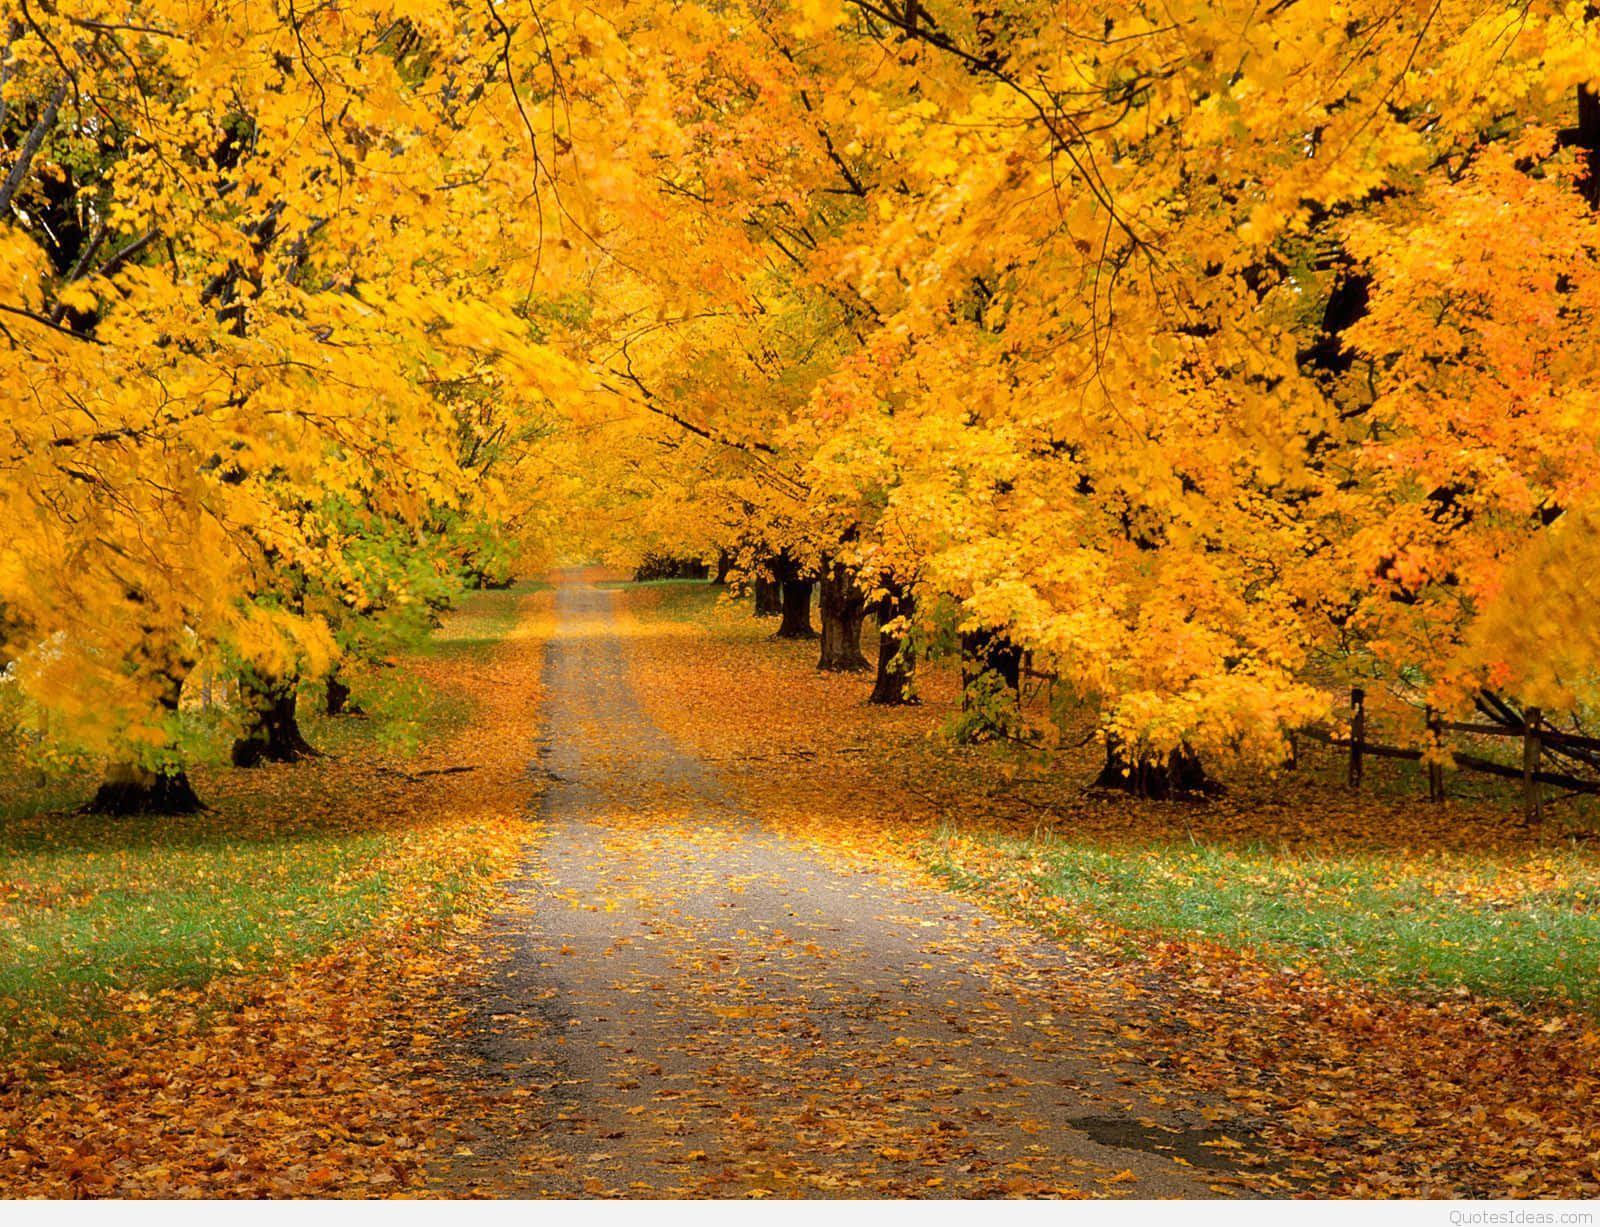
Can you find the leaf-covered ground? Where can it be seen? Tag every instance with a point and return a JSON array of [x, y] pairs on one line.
[[246, 1003], [1287, 949], [764, 940], [687, 1001]]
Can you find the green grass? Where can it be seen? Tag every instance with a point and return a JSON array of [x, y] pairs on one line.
[[1398, 922], [281, 868], [401, 709], [1384, 899], [480, 620], [94, 904]]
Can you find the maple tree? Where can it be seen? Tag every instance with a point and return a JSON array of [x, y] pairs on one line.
[[1400, 1080], [1168, 369], [1182, 351], [246, 394], [1128, 335]]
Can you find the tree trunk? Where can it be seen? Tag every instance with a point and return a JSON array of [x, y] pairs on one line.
[[991, 691], [30, 147], [131, 788], [893, 685], [769, 597], [724, 565], [338, 699], [273, 731], [1588, 139], [8, 631], [842, 606], [796, 622], [1178, 776]]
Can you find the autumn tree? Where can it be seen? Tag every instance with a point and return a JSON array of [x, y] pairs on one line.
[[1094, 297], [1184, 350], [207, 343]]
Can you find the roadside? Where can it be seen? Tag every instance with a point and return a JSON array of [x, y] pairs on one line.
[[728, 961], [1374, 1079], [248, 1002]]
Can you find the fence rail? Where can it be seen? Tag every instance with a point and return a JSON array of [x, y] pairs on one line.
[[1529, 728]]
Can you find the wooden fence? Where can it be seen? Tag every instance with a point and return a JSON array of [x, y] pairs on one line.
[[1538, 740]]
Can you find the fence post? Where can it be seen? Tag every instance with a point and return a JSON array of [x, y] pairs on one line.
[[1435, 768], [1532, 794], [1358, 732]]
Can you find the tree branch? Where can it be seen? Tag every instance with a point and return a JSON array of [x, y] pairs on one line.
[[30, 147]]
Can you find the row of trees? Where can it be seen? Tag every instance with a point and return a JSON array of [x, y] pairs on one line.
[[1210, 353], [1216, 355], [272, 289]]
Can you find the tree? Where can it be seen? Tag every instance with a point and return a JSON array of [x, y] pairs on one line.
[[1090, 304], [842, 607], [207, 340], [1182, 348], [893, 683]]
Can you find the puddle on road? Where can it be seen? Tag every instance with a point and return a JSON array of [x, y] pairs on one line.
[[1190, 1145]]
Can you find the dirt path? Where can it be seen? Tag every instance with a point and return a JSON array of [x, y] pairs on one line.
[[684, 1003]]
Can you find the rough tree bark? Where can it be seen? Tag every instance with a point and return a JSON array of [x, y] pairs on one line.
[[337, 698], [131, 788], [842, 607], [769, 597], [272, 729], [894, 681], [796, 622], [1178, 776]]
